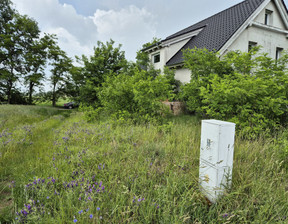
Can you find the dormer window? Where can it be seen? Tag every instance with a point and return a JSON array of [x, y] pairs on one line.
[[268, 17], [156, 58]]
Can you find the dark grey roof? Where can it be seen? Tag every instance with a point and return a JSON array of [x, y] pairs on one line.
[[218, 29]]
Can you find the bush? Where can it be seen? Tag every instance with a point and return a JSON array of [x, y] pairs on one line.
[[18, 98], [137, 97], [249, 89]]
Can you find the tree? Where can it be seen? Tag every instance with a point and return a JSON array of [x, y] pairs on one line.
[[35, 61], [75, 83], [7, 15], [61, 65], [106, 61], [17, 32]]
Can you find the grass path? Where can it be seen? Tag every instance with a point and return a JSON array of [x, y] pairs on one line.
[[28, 136]]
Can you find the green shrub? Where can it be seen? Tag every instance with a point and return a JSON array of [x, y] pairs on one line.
[[244, 88], [137, 97]]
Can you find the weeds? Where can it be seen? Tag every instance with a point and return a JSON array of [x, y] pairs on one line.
[[103, 172]]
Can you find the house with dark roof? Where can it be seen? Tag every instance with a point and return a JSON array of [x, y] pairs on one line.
[[249, 23]]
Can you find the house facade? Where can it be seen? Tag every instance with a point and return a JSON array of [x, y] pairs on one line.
[[240, 27]]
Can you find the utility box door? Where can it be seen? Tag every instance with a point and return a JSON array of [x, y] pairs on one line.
[[216, 157]]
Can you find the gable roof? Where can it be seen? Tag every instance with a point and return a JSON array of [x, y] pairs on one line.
[[218, 29]]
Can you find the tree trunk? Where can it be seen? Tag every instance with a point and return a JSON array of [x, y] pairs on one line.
[[31, 85], [9, 91], [54, 96]]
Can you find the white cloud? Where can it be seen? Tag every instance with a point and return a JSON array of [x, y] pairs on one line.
[[70, 42], [130, 26], [76, 34], [119, 21]]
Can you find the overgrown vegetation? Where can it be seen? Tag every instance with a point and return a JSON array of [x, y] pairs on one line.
[[249, 89], [136, 97], [61, 169], [122, 159]]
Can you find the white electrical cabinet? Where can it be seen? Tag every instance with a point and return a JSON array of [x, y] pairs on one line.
[[216, 157]]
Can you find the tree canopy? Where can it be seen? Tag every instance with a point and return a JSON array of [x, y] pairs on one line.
[[107, 60]]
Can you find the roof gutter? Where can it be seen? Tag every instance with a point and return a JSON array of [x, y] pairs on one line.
[[153, 46]]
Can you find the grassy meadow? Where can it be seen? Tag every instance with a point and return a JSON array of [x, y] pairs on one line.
[[57, 168]]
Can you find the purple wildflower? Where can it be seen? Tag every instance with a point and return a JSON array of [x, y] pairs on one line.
[[98, 208], [24, 212], [29, 207], [75, 220], [91, 216]]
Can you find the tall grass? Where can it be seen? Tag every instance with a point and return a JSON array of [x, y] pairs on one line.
[[62, 169]]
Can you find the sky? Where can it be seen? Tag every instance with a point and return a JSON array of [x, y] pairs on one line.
[[79, 24]]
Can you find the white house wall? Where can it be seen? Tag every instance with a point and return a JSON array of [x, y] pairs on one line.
[[166, 53], [162, 62], [277, 20], [174, 48], [268, 39], [183, 75]]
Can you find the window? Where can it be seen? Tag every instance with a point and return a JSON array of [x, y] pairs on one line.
[[268, 17], [251, 44], [278, 53], [156, 58]]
